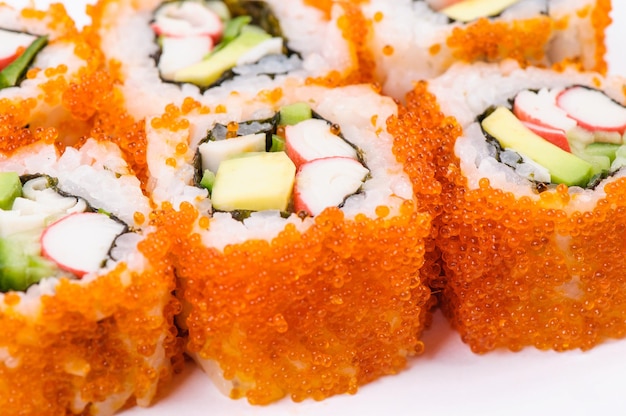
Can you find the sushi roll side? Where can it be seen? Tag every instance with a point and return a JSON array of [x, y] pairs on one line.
[[88, 338], [306, 306], [528, 260]]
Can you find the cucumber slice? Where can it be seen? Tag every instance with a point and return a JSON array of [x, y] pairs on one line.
[[599, 159], [20, 267], [232, 29], [10, 188], [10, 76], [294, 113], [208, 179], [603, 149], [278, 144]]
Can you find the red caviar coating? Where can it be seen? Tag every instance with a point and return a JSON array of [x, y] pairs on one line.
[[91, 340], [307, 314], [600, 20], [420, 145], [96, 101], [355, 29], [56, 18], [326, 5], [521, 271], [13, 116], [522, 40]]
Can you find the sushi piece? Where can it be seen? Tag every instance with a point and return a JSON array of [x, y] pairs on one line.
[[86, 304], [178, 49], [419, 39], [529, 231], [43, 61], [298, 278]]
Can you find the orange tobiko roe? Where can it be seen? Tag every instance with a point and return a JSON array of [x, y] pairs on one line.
[[111, 339], [45, 107], [306, 314], [355, 29], [521, 271], [522, 40], [525, 40]]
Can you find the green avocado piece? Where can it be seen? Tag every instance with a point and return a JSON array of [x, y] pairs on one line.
[[256, 182], [12, 73], [210, 69], [10, 188], [19, 266], [564, 167], [295, 113]]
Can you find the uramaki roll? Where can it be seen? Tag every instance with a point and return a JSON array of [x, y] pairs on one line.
[[531, 228], [164, 52], [86, 305], [45, 60], [292, 303], [419, 39]]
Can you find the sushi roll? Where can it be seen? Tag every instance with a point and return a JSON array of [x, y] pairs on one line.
[[167, 51], [532, 204], [419, 39], [301, 277], [43, 61], [86, 304]]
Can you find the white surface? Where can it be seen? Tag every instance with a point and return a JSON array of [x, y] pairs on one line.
[[448, 379]]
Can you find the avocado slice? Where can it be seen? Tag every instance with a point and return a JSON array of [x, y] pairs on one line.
[[10, 188], [468, 10], [564, 167], [10, 76], [210, 69], [256, 182]]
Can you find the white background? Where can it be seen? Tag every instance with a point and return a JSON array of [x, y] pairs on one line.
[[448, 379]]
